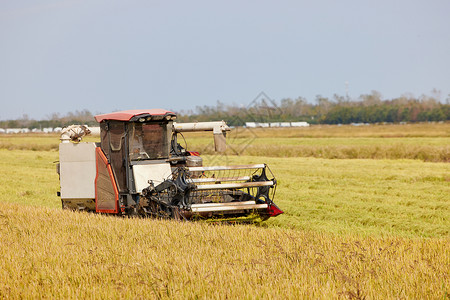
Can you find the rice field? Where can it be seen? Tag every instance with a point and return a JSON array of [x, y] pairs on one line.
[[50, 253], [353, 227]]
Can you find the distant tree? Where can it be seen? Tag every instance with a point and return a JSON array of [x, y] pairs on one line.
[[373, 98], [368, 108]]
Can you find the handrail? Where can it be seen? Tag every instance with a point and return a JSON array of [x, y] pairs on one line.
[[222, 168], [219, 179], [234, 185]]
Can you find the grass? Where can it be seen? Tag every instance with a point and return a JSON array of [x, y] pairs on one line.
[[29, 177], [370, 197], [48, 253]]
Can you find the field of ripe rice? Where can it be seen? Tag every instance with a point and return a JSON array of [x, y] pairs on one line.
[[352, 228], [368, 197], [49, 253], [381, 197]]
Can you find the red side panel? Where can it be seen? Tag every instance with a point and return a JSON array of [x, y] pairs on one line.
[[106, 192]]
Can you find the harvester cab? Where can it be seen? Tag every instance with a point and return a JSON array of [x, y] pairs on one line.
[[139, 168]]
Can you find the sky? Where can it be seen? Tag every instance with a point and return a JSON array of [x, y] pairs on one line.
[[60, 56]]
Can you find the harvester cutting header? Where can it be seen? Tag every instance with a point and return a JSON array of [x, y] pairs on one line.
[[139, 168]]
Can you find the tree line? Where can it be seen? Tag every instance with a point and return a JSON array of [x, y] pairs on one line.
[[54, 120], [367, 108]]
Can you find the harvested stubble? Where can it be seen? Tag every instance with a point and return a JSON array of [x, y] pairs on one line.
[[278, 148], [347, 131], [49, 253], [427, 142], [35, 141]]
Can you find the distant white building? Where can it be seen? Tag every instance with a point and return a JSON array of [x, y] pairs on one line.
[[276, 124], [17, 130], [256, 125], [2, 130], [47, 130], [299, 124]]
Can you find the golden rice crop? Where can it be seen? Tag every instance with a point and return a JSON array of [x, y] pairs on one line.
[[352, 229], [406, 198], [50, 253]]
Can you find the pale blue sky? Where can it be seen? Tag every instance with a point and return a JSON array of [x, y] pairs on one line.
[[105, 55]]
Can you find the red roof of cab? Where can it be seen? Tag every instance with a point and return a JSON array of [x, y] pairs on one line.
[[126, 115]]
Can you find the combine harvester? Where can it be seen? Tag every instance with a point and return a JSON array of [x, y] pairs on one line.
[[139, 168]]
